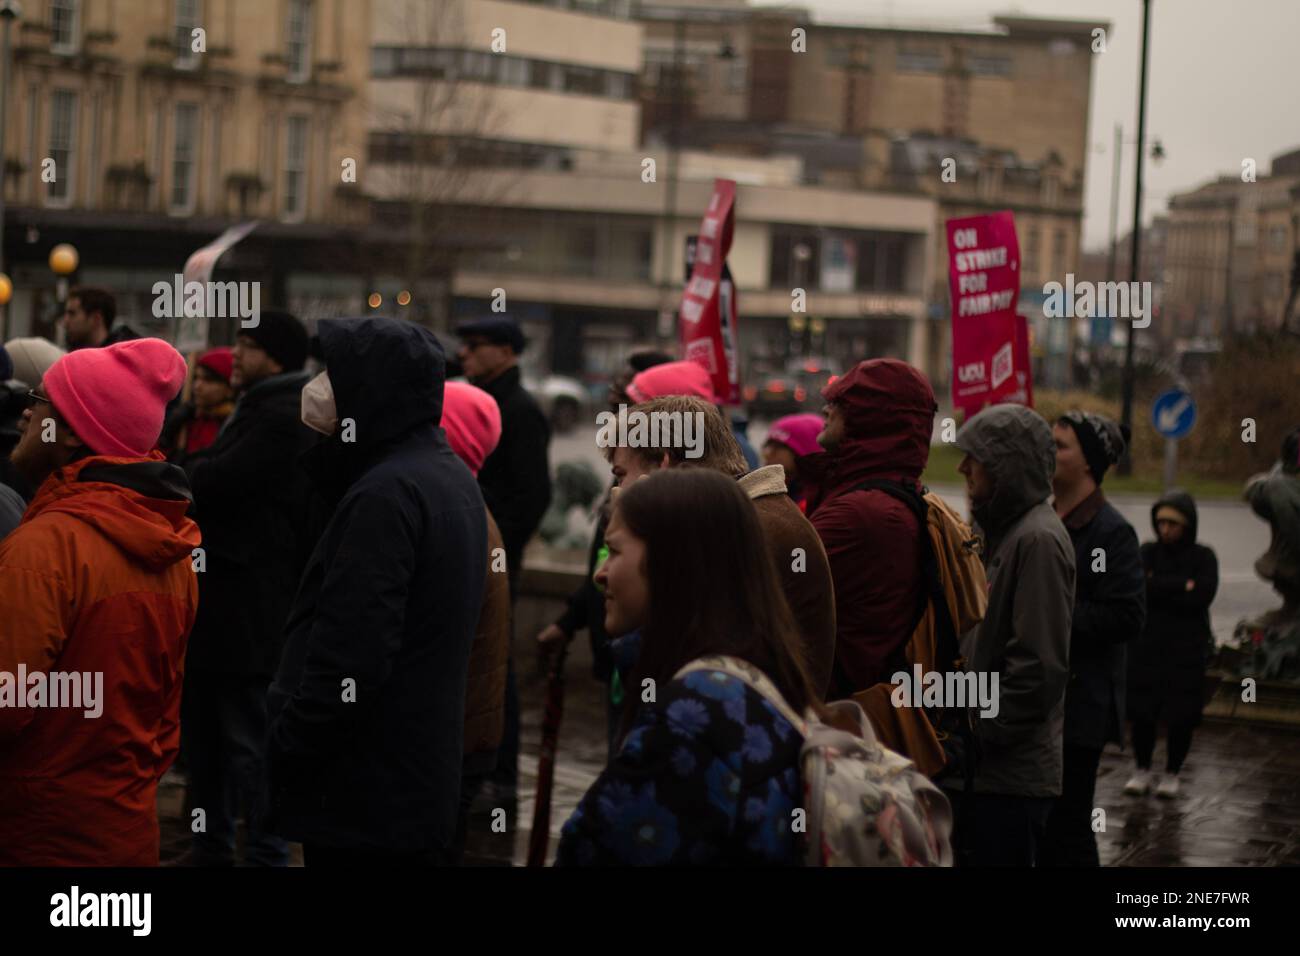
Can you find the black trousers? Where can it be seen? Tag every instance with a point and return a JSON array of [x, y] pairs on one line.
[[993, 829], [1177, 744], [1070, 838]]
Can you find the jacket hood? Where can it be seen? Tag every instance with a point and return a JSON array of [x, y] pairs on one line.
[[387, 375], [1182, 502], [888, 409], [1015, 445], [137, 503]]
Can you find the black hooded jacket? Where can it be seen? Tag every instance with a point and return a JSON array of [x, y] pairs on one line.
[[367, 710], [1109, 607], [1166, 674]]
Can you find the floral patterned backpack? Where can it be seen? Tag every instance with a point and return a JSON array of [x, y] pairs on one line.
[[866, 805]]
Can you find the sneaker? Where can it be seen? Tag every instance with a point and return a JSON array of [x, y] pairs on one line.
[[1138, 784], [1168, 786]]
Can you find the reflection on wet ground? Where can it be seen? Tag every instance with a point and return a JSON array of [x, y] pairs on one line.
[[1239, 803]]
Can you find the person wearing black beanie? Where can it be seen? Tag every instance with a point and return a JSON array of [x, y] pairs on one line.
[[1101, 440], [281, 336], [1109, 611], [253, 506]]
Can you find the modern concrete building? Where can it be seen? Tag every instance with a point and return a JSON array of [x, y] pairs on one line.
[[140, 131], [553, 200], [1004, 106]]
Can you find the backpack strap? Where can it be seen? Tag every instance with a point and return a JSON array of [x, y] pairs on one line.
[[750, 675], [946, 645]]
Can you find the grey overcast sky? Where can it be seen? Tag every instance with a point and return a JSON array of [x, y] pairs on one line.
[[1223, 84]]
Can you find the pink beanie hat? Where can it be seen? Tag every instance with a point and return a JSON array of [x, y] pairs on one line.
[[671, 378], [798, 433], [115, 397], [472, 421]]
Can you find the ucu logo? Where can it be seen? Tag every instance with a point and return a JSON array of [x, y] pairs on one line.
[[974, 372]]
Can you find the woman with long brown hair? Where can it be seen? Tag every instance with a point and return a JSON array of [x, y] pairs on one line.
[[708, 770]]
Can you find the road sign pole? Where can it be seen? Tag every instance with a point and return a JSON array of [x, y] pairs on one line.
[[1171, 462]]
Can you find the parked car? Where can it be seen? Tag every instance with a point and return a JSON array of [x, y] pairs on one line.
[[773, 396], [812, 374]]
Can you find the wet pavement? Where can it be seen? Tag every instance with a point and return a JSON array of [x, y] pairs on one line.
[[1239, 804]]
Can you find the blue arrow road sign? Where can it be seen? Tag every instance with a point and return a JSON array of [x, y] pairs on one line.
[[1173, 413]]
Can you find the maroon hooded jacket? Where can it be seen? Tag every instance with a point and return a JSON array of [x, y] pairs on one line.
[[871, 538]]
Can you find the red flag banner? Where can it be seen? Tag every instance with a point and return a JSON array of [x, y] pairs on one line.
[[707, 316], [990, 343]]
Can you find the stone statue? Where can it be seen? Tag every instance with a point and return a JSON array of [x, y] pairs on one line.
[[1274, 637]]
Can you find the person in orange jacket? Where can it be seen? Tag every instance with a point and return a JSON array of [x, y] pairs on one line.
[[97, 596]]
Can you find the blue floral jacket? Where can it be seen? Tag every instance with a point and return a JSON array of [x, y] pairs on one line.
[[708, 775]]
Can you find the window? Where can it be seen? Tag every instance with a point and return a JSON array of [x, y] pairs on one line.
[[383, 61], [477, 65], [33, 120], [868, 250], [295, 167], [737, 76], [514, 71], [582, 79], [92, 156], [298, 32], [64, 25], [795, 261], [188, 15], [989, 65], [920, 61], [63, 124], [1058, 251], [156, 170], [1031, 251], [539, 74], [214, 160], [618, 85], [894, 265], [184, 152]]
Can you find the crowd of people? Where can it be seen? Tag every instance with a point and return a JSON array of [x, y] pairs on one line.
[[294, 561]]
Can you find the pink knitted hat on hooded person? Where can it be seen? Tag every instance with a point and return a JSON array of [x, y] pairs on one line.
[[671, 378], [472, 421], [114, 398], [798, 433]]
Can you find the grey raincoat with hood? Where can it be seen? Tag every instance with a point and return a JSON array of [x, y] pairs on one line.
[[1025, 635]]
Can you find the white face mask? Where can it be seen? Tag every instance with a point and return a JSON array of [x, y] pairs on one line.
[[318, 410]]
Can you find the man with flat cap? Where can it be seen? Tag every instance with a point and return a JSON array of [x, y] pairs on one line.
[[516, 484]]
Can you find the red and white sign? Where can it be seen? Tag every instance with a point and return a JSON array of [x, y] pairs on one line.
[[707, 315], [990, 343]]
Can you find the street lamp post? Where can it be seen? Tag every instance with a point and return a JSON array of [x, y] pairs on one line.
[[64, 260], [1126, 417]]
